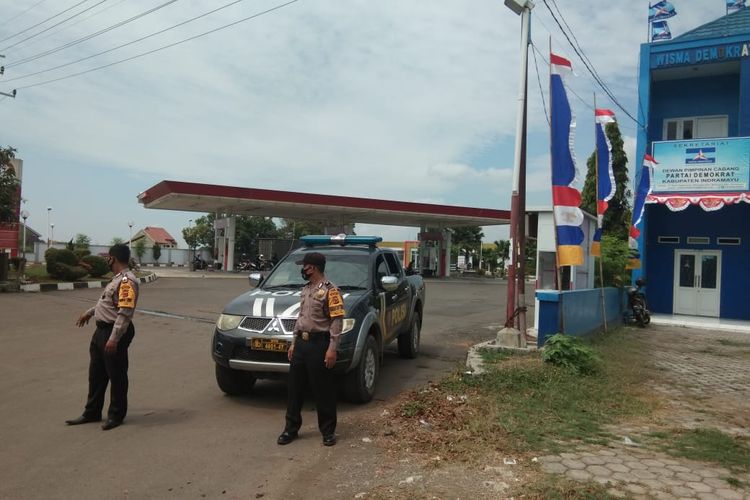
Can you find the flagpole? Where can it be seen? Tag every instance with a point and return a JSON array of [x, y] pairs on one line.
[[558, 277], [648, 24], [596, 204]]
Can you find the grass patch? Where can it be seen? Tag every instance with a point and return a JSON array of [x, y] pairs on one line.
[[733, 343], [557, 487], [737, 483], [522, 405], [708, 445], [493, 356]]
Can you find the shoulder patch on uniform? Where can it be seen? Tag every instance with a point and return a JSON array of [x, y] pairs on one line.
[[126, 295], [335, 303]]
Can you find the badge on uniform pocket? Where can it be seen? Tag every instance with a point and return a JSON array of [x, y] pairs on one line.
[[320, 293]]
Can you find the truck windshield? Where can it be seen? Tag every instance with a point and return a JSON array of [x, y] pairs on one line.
[[344, 270]]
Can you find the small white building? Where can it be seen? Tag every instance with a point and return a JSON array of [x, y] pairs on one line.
[[540, 225]]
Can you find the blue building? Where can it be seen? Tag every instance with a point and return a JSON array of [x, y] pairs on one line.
[[694, 98]]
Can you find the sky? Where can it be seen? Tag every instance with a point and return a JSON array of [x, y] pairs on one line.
[[401, 100]]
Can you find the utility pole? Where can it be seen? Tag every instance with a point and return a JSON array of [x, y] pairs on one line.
[[514, 333]]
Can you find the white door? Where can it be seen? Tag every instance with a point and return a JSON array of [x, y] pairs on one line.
[[697, 284]]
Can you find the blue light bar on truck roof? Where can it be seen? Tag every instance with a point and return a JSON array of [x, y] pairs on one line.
[[340, 239]]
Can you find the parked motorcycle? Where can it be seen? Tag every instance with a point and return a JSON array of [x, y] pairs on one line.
[[246, 265], [637, 306]]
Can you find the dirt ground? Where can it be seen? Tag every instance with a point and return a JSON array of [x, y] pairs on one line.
[[702, 381]]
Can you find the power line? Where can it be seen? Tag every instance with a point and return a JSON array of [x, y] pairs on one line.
[[572, 34], [583, 59], [89, 37], [22, 13], [195, 37], [593, 72], [53, 26], [76, 23], [126, 43], [567, 87], [585, 56], [541, 92], [42, 22]]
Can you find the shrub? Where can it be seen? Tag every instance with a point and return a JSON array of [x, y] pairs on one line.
[[97, 266], [17, 263], [569, 352], [65, 272], [54, 255], [81, 253]]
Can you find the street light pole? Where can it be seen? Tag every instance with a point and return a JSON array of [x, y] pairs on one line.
[[24, 216], [52, 230], [515, 324], [130, 239], [49, 223]]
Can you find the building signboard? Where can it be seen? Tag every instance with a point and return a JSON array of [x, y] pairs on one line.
[[700, 55], [702, 165]]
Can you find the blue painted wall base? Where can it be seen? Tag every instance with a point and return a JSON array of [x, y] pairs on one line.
[[578, 312]]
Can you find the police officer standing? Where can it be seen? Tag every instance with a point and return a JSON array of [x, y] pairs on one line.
[[108, 350], [312, 353]]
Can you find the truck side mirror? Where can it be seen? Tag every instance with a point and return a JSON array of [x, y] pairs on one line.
[[390, 283], [255, 280]]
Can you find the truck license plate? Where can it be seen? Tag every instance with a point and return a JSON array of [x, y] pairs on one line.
[[274, 345]]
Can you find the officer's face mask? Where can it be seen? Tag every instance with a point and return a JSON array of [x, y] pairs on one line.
[[305, 274]]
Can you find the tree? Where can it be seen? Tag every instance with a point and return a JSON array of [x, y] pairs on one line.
[[466, 239], [140, 249], [249, 230], [615, 256], [530, 257], [8, 186], [617, 216], [81, 242], [295, 228], [503, 251], [117, 241], [156, 251], [201, 234]]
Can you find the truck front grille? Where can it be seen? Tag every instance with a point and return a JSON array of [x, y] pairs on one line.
[[255, 324]]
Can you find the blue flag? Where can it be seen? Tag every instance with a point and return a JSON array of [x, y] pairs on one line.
[[660, 31], [735, 5], [664, 10]]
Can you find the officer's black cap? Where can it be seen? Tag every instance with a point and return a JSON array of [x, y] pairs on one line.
[[314, 258]]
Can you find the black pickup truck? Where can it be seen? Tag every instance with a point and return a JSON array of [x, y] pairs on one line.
[[382, 304]]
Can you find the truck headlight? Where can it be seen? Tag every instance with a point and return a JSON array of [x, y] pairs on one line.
[[228, 321], [348, 325]]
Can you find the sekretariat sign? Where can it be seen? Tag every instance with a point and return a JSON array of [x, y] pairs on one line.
[[702, 165]]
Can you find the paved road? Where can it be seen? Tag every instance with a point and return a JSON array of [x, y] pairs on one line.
[[183, 438]]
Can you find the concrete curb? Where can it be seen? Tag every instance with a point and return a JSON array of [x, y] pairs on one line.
[[474, 361], [76, 285]]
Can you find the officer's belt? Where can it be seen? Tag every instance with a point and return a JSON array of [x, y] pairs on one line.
[[104, 324], [310, 335]]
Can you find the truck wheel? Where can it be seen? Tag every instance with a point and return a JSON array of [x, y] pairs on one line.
[[408, 343], [359, 386], [234, 382]]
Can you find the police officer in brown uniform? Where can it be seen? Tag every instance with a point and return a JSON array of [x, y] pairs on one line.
[[312, 353], [108, 350]]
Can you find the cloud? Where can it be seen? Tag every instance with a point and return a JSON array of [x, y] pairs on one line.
[[384, 99]]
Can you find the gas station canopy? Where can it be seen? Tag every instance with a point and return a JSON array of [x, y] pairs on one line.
[[194, 197]]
